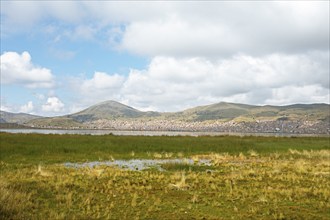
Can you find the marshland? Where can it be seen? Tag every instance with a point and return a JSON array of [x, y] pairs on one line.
[[52, 176]]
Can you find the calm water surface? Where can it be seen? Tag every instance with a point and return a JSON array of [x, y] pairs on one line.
[[147, 133], [139, 164]]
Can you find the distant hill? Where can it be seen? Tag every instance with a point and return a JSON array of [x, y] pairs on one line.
[[106, 110], [109, 110], [55, 122], [218, 111], [241, 112], [18, 118], [114, 115]]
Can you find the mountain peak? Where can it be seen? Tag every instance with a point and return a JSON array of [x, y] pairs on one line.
[[113, 104], [106, 110]]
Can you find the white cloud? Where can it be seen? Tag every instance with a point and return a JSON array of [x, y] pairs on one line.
[[102, 80], [53, 104], [100, 87], [171, 84], [175, 37], [27, 108], [221, 29], [211, 29], [18, 69], [4, 106], [299, 94], [24, 15], [200, 52]]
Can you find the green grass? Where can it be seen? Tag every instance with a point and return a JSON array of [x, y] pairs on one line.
[[248, 178], [41, 148]]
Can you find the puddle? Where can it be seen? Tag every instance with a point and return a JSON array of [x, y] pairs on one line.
[[139, 164]]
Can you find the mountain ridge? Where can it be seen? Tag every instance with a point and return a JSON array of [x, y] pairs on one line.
[[114, 115], [19, 118]]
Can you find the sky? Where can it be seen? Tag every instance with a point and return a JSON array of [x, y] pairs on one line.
[[59, 57]]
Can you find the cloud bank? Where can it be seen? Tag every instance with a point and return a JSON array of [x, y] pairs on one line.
[[181, 28], [188, 82], [18, 69], [198, 53]]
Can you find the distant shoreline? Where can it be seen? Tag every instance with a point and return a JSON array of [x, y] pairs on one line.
[[152, 133]]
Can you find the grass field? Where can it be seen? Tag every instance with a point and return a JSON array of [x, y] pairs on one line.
[[247, 178]]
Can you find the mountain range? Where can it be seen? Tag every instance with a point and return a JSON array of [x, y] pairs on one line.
[[223, 112], [18, 118]]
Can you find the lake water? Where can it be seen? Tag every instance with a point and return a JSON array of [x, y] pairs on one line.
[[104, 132], [148, 133]]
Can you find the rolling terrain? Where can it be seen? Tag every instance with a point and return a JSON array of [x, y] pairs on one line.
[[18, 118], [241, 112], [220, 117], [10, 120]]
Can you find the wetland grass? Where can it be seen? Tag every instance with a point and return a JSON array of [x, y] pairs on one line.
[[52, 148], [247, 178]]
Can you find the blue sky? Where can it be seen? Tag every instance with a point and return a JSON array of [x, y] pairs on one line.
[[58, 57]]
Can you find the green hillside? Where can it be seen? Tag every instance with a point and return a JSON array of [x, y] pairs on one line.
[[109, 110], [19, 118], [222, 112], [60, 122], [231, 111], [219, 111]]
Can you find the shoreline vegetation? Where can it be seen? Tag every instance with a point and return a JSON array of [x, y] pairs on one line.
[[30, 130], [50, 147]]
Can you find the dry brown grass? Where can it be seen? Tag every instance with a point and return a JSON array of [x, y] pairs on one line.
[[292, 185]]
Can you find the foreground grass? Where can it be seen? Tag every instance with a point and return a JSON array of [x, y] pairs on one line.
[[248, 178]]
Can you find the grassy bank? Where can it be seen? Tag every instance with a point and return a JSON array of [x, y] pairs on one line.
[[40, 148], [247, 178]]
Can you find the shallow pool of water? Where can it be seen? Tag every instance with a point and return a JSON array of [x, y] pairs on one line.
[[139, 164]]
